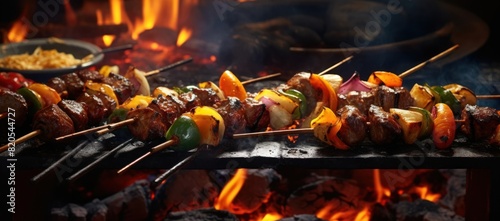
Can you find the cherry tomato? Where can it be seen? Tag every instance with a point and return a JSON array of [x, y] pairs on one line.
[[13, 81]]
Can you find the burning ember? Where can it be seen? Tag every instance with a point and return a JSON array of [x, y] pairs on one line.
[[268, 195]]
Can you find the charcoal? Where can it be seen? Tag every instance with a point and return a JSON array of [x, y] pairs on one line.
[[201, 214], [186, 190], [303, 217], [96, 210], [255, 191], [454, 199], [69, 212], [380, 213], [423, 210], [341, 194], [132, 203]]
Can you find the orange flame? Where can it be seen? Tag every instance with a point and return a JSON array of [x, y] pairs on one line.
[[230, 190], [106, 39], [364, 215], [18, 31], [324, 213], [271, 217], [70, 13], [426, 195], [382, 193], [184, 35]]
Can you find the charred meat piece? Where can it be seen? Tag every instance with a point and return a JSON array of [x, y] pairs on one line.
[[256, 115], [108, 103], [233, 113], [354, 128], [190, 100], [387, 97], [122, 87], [383, 127], [52, 122], [300, 82], [148, 124], [13, 100], [94, 107], [169, 107], [360, 99], [57, 84], [479, 122], [404, 99], [90, 75], [76, 111], [74, 85], [207, 96]]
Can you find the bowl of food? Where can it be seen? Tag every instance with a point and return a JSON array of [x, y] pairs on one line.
[[48, 57]]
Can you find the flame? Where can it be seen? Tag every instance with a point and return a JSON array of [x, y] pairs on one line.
[[325, 213], [271, 217], [230, 190], [106, 39], [382, 193], [184, 35], [70, 13], [364, 215], [426, 195], [18, 32]]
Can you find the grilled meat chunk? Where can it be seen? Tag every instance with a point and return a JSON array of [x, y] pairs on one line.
[[108, 103], [57, 84], [10, 99], [207, 96], [52, 122], [256, 115], [233, 113], [190, 100], [354, 128], [90, 75], [387, 97], [76, 111], [362, 100], [170, 108], [148, 124], [74, 85], [122, 87], [480, 122], [383, 127], [94, 107], [300, 82]]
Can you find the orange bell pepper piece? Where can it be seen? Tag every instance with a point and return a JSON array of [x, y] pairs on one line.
[[232, 86], [388, 78], [103, 88], [48, 94], [326, 126], [328, 94]]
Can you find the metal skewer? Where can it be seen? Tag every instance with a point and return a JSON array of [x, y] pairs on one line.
[[58, 162], [175, 168], [90, 166]]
